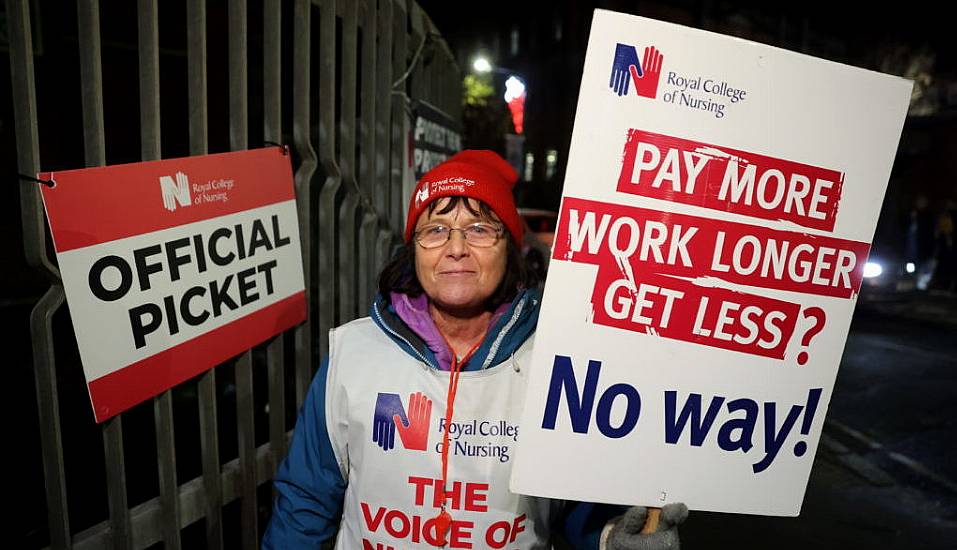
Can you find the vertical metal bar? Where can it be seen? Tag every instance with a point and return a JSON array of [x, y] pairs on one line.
[[28, 140], [272, 64], [238, 140], [91, 83], [209, 449], [427, 60], [383, 113], [148, 31], [368, 233], [272, 131], [367, 98], [301, 137], [347, 154], [415, 40], [198, 145], [365, 88], [196, 74], [326, 104], [433, 63], [247, 450], [420, 84], [34, 245], [383, 130], [368, 230], [166, 458], [116, 483], [383, 249], [51, 444], [238, 85], [399, 153]]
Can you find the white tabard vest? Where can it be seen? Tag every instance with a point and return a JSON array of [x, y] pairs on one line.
[[391, 498]]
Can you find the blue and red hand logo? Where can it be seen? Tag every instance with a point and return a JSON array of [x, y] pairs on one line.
[[390, 415], [626, 69]]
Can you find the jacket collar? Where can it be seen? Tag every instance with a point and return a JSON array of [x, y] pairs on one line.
[[502, 340]]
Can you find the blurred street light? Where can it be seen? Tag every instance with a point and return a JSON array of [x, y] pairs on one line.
[[515, 93], [872, 269], [514, 88], [515, 98], [482, 65]]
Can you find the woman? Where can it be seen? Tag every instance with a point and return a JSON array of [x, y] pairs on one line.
[[442, 362]]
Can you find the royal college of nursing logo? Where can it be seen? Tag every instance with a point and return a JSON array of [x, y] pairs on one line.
[[175, 191], [422, 195], [412, 423], [626, 69]]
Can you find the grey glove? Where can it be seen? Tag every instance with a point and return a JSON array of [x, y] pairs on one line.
[[626, 534]]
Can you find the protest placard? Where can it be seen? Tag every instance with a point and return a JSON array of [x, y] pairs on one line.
[[170, 267], [719, 204]]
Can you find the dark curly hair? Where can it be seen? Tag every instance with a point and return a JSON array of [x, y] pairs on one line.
[[399, 274]]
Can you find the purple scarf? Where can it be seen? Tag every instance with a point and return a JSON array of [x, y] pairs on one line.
[[414, 312]]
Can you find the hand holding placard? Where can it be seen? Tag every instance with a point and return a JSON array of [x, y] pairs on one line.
[[648, 528]]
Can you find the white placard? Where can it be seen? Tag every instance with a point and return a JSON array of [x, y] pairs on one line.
[[719, 204]]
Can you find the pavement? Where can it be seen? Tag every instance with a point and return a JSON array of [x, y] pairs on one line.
[[852, 501], [931, 306]]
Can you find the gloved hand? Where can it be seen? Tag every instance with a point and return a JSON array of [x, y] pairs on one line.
[[626, 533]]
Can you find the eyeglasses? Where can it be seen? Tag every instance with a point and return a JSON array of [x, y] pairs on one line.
[[476, 234]]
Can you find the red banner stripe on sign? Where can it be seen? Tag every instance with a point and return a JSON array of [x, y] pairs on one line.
[[729, 180], [120, 390], [676, 309], [161, 194], [653, 241]]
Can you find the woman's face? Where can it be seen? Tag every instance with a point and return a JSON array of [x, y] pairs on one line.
[[457, 277]]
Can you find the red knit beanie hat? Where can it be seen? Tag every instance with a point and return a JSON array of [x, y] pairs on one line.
[[481, 175]]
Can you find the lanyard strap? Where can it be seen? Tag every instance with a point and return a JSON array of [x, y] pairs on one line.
[[444, 519]]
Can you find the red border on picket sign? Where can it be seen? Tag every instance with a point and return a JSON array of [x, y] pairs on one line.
[[82, 205], [137, 382]]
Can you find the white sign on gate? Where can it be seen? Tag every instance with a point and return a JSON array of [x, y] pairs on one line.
[[171, 267]]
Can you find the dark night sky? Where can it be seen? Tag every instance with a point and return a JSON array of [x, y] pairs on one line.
[[858, 25]]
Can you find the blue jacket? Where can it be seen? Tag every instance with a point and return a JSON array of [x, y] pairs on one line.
[[310, 488]]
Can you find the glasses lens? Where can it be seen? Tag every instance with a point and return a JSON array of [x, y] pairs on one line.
[[481, 234], [432, 236], [477, 234]]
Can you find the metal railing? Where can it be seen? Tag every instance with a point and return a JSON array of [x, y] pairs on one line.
[[355, 66]]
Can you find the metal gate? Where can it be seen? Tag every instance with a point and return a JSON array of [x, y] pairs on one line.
[[337, 84]]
